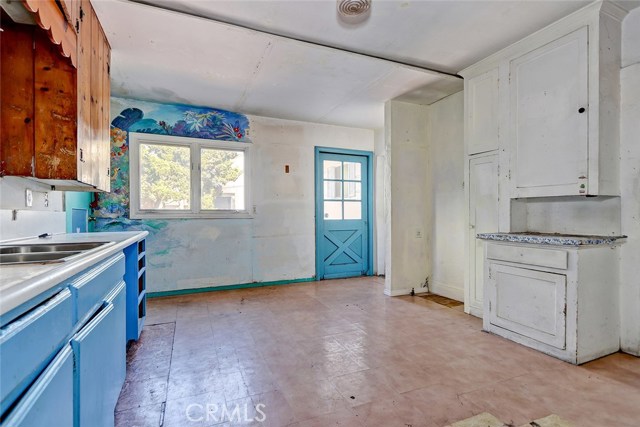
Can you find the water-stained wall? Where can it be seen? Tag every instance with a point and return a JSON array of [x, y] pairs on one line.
[[277, 244]]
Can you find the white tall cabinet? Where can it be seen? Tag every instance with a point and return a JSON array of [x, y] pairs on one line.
[[483, 218], [546, 111]]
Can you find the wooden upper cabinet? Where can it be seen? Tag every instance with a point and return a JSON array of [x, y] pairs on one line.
[[55, 117]]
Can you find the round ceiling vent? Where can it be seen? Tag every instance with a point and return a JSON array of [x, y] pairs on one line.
[[353, 7]]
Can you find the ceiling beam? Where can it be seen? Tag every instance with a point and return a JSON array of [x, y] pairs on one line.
[[297, 39]]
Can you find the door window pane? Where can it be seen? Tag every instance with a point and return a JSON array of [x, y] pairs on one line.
[[165, 177], [352, 191], [352, 171], [221, 179], [332, 169], [333, 190], [332, 210], [352, 210]]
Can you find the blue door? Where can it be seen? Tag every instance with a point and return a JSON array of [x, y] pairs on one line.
[[343, 208]]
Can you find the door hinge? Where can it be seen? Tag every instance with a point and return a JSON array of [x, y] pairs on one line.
[[77, 26], [81, 13]]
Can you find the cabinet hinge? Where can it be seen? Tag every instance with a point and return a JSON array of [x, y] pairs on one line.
[[509, 173], [77, 26], [81, 13], [489, 273], [489, 305]]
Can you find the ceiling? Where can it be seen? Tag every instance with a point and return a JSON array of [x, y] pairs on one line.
[[173, 56]]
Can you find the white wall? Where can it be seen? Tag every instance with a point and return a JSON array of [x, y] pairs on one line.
[[446, 166], [379, 213], [29, 221], [630, 184], [284, 227], [408, 205]]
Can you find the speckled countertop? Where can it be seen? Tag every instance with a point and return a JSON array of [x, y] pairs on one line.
[[21, 282], [550, 239]]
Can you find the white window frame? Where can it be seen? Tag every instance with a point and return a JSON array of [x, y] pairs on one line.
[[195, 144]]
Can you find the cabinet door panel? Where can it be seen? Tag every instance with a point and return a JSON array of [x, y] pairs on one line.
[[16, 100], [105, 106], [97, 50], [483, 218], [482, 112], [55, 112], [49, 401], [548, 87], [93, 354], [529, 302], [84, 94], [29, 342]]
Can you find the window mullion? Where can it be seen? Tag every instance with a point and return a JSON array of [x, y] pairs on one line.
[[196, 177]]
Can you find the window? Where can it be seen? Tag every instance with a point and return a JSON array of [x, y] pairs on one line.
[[176, 177], [342, 190]]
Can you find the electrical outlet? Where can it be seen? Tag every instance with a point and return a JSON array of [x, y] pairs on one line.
[[28, 197]]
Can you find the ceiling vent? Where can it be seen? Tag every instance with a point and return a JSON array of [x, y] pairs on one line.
[[350, 8]]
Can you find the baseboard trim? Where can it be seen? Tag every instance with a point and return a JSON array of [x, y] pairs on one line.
[[397, 292], [446, 290], [227, 287]]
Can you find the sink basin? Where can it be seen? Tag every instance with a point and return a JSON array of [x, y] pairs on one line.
[[44, 252], [50, 247], [35, 257]]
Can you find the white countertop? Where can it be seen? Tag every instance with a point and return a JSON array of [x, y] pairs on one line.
[[21, 282]]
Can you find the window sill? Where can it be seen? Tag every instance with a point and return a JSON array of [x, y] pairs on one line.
[[181, 215]]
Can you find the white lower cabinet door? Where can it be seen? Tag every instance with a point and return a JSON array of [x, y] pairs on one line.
[[529, 302]]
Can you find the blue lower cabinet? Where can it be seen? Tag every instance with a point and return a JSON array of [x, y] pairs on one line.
[[90, 288], [99, 356], [29, 343], [118, 337], [136, 278], [49, 400]]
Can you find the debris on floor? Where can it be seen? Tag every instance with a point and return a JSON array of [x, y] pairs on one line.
[[487, 420], [438, 299]]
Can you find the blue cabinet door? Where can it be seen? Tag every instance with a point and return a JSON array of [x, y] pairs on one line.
[[99, 355], [29, 343], [49, 400]]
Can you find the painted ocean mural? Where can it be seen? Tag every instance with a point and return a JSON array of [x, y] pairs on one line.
[[111, 210]]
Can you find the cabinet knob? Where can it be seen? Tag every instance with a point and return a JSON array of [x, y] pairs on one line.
[[581, 110]]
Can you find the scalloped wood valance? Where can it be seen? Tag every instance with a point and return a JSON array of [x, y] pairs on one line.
[[50, 18]]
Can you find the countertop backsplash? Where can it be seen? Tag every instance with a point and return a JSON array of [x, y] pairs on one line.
[[19, 221]]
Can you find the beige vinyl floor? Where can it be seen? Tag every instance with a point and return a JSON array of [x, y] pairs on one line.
[[340, 353]]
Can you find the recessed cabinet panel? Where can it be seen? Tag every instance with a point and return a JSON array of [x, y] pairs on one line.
[[49, 400], [483, 218], [549, 118], [529, 302], [482, 112]]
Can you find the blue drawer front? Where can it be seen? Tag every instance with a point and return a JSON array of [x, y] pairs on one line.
[[29, 342], [49, 401], [90, 289]]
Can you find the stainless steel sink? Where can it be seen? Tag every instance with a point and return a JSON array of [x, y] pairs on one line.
[[45, 252], [49, 247], [35, 257]]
